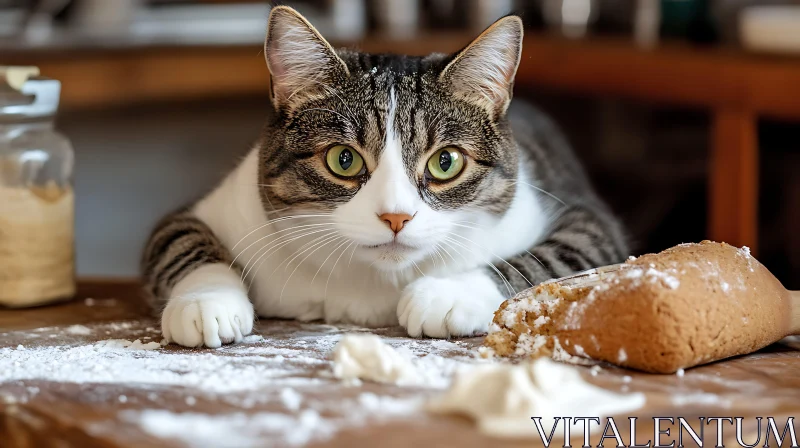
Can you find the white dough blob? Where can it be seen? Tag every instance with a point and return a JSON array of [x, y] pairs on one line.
[[502, 398], [365, 356]]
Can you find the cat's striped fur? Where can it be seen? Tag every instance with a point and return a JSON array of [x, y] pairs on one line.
[[583, 233], [521, 211], [179, 244]]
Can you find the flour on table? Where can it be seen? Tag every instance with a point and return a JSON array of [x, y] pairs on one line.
[[502, 398], [365, 356], [130, 345], [291, 399], [699, 399], [228, 430], [239, 429], [79, 330], [275, 386]]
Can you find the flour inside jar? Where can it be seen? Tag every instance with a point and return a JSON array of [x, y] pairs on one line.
[[37, 202], [36, 245]]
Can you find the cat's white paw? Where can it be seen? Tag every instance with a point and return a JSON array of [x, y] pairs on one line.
[[461, 305], [209, 307]]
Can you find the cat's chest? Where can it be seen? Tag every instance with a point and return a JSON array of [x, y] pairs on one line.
[[341, 295]]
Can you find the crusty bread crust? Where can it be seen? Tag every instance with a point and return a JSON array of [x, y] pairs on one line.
[[688, 305]]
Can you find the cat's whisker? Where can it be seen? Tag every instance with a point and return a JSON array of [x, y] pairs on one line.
[[437, 251], [276, 247], [529, 253], [351, 255], [275, 250], [334, 265], [272, 221], [277, 210], [269, 201], [325, 261], [293, 231], [256, 265], [417, 267], [280, 299], [456, 223], [508, 285], [441, 246], [494, 255], [266, 249], [300, 251], [433, 256], [452, 244], [464, 221], [465, 226], [541, 190], [537, 259]]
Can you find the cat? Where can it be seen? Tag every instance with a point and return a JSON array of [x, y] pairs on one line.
[[384, 190]]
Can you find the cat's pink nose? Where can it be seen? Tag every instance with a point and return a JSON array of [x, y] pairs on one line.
[[395, 221]]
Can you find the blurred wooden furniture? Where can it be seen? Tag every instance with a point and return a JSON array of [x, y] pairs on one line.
[[736, 87]]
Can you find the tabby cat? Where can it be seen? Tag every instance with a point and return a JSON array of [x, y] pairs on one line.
[[384, 190]]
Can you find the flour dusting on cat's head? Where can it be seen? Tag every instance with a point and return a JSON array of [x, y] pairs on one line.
[[398, 155]]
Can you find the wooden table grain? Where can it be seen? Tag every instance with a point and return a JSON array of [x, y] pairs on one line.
[[75, 414]]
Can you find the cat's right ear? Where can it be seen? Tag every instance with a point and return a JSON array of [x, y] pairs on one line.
[[483, 73], [299, 59]]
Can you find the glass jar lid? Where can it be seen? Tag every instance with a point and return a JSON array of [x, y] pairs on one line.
[[22, 99]]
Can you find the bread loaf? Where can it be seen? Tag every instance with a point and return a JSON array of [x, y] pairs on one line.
[[688, 305]]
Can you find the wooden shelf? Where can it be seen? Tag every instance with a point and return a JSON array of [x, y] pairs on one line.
[[737, 87], [673, 74], [101, 77]]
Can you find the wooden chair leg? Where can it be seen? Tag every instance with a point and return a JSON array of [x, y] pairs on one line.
[[733, 182]]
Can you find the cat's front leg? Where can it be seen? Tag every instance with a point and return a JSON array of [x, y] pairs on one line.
[[459, 305], [208, 307], [187, 272]]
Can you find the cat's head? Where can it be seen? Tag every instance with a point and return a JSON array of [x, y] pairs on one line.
[[394, 154]]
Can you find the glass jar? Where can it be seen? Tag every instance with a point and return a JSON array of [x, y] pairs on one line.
[[37, 203]]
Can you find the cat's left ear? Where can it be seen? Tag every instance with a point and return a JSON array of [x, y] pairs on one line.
[[483, 72], [299, 59]]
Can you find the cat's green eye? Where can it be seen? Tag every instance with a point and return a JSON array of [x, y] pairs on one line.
[[344, 161], [446, 163]]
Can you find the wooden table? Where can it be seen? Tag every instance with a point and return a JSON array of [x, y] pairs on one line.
[[241, 395], [736, 87]]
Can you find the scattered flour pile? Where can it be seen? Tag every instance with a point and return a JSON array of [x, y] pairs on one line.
[[276, 387], [79, 330], [135, 345], [239, 429], [502, 398]]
